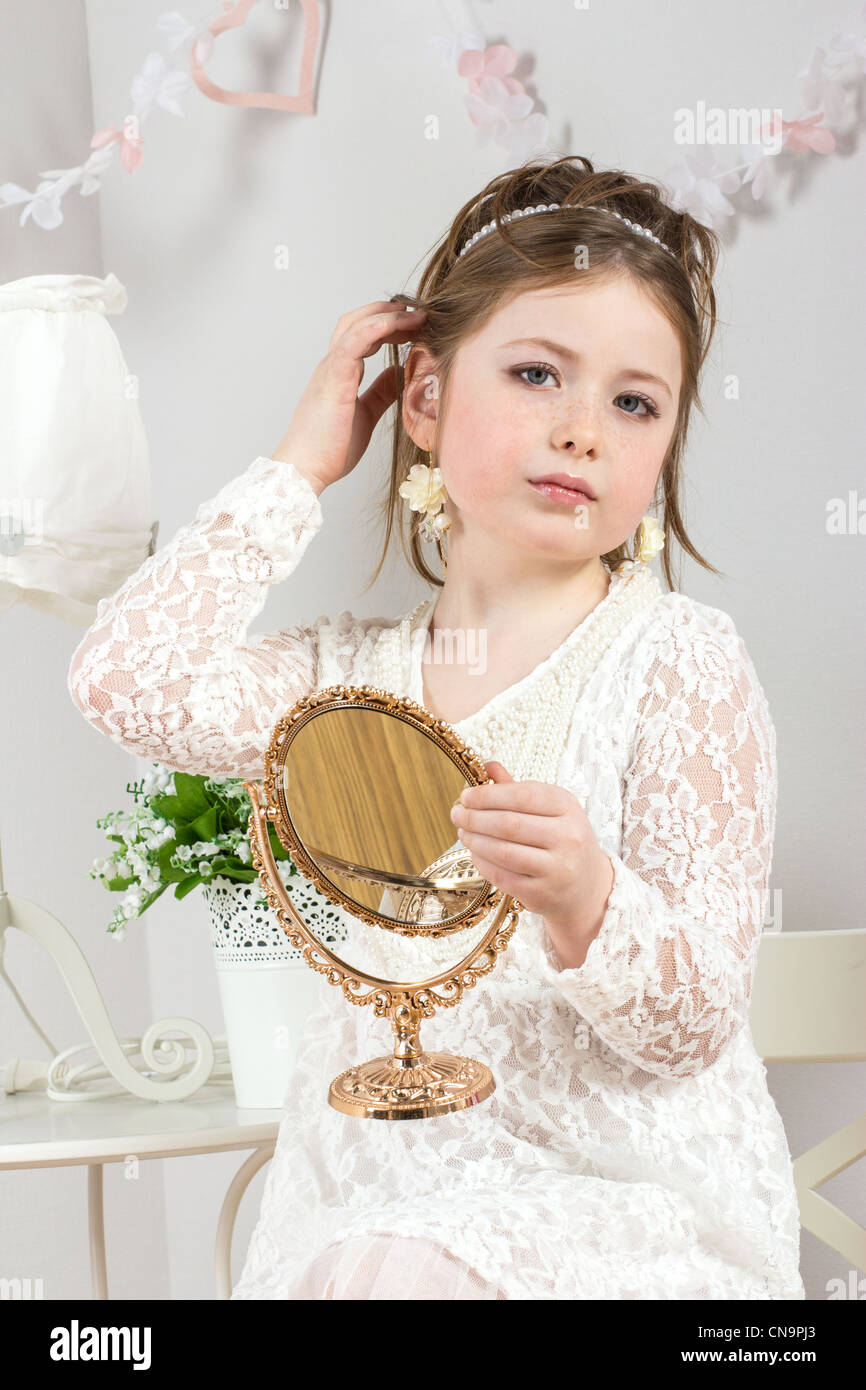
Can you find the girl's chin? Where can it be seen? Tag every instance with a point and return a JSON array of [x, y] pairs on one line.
[[573, 536], [568, 546]]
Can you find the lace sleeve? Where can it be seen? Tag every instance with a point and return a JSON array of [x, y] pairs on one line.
[[165, 670], [667, 980]]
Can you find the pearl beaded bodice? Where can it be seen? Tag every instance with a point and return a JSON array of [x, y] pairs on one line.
[[524, 727]]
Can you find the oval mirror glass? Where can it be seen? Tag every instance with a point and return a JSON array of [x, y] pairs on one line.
[[365, 796]]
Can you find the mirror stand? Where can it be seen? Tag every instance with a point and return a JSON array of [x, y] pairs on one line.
[[409, 1084]]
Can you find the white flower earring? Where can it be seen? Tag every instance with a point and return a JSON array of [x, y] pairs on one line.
[[425, 492], [651, 539]]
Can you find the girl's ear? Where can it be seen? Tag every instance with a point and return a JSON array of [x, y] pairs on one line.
[[420, 402]]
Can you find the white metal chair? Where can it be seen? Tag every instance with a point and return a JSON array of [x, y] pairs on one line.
[[809, 1005]]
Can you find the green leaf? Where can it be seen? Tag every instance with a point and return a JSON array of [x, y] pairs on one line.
[[205, 826], [183, 888], [189, 801], [223, 863], [168, 808], [152, 897], [190, 786], [167, 870]]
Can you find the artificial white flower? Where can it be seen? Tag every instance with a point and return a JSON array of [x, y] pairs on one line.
[[158, 85], [157, 779], [43, 205], [698, 186], [131, 902], [524, 139], [179, 32], [493, 108], [823, 90], [652, 539], [424, 489], [95, 165], [761, 168]]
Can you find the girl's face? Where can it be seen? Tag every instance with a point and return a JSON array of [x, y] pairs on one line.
[[581, 403]]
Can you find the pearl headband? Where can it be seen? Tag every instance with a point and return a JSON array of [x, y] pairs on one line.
[[552, 207]]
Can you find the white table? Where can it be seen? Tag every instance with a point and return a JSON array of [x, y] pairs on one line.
[[39, 1133]]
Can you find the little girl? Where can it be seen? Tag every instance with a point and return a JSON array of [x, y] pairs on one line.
[[631, 1149]]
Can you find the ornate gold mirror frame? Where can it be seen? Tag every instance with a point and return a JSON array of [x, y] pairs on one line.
[[410, 1083]]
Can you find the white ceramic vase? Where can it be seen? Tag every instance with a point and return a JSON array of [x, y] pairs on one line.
[[266, 987]]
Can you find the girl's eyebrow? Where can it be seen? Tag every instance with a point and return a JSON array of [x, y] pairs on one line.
[[636, 372]]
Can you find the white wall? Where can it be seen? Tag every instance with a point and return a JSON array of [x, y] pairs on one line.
[[56, 779], [223, 344]]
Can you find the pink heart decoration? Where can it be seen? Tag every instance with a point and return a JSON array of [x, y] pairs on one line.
[[236, 16]]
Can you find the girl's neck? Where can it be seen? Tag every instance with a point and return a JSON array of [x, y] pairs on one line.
[[536, 610]]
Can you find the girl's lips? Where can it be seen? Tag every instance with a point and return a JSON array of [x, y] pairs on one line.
[[569, 495]]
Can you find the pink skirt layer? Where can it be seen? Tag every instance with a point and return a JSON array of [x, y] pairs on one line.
[[392, 1267]]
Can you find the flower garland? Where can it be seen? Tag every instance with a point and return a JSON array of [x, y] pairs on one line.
[[502, 111], [156, 85], [499, 107]]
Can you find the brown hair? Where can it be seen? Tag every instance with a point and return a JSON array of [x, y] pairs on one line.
[[459, 295]]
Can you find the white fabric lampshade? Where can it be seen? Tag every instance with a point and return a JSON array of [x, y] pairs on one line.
[[75, 495]]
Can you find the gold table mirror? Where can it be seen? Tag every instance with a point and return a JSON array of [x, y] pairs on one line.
[[359, 785]]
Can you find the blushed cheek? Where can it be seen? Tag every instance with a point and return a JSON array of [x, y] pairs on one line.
[[478, 474], [630, 494], [482, 442], [637, 464]]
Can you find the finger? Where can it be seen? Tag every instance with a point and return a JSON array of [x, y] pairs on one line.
[[378, 306], [367, 336], [497, 772], [541, 798], [381, 393], [515, 884], [516, 859], [520, 827]]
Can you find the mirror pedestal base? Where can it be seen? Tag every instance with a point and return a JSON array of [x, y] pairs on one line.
[[411, 1088]]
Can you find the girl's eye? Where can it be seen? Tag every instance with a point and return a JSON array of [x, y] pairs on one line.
[[645, 400], [546, 370], [536, 367]]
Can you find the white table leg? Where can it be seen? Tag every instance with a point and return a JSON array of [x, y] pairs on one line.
[[96, 1219], [226, 1225]]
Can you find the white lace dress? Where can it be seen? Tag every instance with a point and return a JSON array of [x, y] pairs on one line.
[[631, 1149]]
